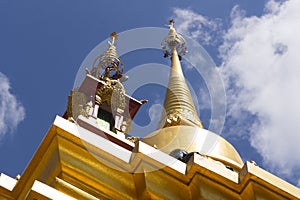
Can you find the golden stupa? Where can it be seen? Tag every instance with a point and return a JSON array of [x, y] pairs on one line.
[[182, 128]]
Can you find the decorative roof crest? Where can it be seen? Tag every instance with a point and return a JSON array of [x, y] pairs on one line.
[[105, 64]]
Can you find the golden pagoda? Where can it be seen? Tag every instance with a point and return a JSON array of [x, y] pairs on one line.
[[87, 153]]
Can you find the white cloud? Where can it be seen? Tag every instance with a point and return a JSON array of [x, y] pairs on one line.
[[262, 73], [11, 110], [196, 26]]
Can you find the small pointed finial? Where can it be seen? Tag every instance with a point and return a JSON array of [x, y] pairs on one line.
[[171, 22], [173, 41], [113, 36]]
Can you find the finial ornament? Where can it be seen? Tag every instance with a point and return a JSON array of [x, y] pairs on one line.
[[113, 36], [109, 62], [173, 41]]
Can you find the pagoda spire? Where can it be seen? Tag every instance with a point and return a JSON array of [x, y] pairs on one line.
[[109, 62], [178, 103]]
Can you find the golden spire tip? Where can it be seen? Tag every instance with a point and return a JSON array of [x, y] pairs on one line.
[[113, 36], [173, 41]]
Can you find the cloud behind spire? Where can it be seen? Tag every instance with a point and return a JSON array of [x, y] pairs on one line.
[[12, 111]]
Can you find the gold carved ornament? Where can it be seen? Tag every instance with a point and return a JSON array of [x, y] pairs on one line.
[[76, 105]]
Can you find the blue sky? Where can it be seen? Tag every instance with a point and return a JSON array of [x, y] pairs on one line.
[[43, 43]]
